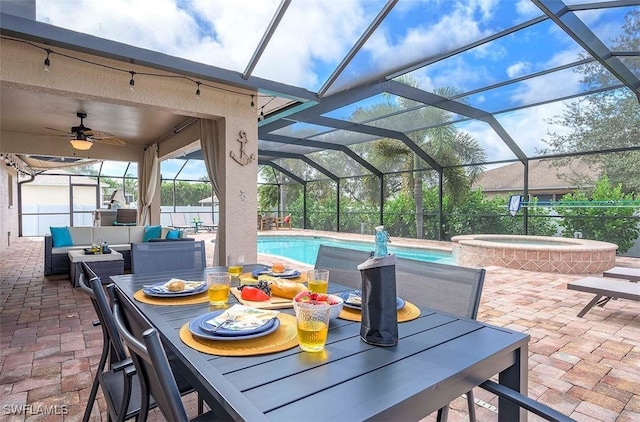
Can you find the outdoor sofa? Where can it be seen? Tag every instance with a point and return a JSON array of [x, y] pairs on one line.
[[119, 238]]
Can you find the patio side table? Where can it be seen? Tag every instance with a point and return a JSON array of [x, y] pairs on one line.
[[104, 265]]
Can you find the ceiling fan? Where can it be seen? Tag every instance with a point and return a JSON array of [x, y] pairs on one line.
[[84, 137]]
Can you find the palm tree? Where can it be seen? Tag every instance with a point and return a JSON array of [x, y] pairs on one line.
[[447, 145]]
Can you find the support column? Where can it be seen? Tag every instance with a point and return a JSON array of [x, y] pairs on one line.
[[239, 192]]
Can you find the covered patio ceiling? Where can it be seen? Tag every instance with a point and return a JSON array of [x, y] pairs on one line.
[[499, 69]]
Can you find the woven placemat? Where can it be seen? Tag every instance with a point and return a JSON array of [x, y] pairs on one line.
[[187, 300], [302, 278], [284, 338], [408, 312]]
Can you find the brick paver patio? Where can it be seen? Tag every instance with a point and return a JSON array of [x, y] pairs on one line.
[[587, 368]]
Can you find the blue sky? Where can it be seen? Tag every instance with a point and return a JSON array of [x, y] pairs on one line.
[[315, 35]]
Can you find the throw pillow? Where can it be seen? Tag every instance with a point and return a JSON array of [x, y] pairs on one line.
[[151, 232], [173, 234], [61, 236]]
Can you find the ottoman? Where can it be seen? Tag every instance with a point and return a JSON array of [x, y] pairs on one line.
[[104, 265]]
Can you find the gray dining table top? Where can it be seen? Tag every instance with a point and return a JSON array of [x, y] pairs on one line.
[[438, 357]]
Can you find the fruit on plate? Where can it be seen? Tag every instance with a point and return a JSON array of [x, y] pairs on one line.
[[335, 302], [314, 297], [253, 294], [278, 267], [261, 284]]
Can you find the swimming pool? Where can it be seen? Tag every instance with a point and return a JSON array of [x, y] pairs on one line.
[[305, 249]]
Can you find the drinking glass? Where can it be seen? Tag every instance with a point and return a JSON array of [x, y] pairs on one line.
[[318, 280], [312, 320], [218, 285], [234, 265]]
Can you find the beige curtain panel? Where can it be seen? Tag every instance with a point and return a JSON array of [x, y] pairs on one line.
[[149, 181]]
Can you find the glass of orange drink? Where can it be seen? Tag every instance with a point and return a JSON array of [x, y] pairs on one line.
[[312, 320], [218, 284]]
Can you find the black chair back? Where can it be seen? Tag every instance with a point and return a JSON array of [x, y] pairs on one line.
[[155, 257], [445, 288], [149, 358], [342, 264], [91, 284], [120, 392]]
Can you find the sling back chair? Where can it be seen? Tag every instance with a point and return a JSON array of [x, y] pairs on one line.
[[150, 360], [155, 257]]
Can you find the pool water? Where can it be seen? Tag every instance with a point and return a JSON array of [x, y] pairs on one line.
[[305, 249]]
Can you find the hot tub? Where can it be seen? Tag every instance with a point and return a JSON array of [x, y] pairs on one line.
[[534, 253]]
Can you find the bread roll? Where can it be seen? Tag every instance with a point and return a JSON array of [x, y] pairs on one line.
[[286, 288], [175, 286]]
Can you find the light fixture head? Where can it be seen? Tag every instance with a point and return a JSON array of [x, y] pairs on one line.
[[132, 83], [253, 104], [81, 142], [198, 91], [47, 62]]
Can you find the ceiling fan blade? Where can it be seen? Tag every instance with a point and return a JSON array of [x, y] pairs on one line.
[[58, 130], [109, 140]]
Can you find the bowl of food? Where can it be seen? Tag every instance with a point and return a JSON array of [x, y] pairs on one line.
[[335, 302]]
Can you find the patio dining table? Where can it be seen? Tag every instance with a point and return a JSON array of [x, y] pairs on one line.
[[438, 358]]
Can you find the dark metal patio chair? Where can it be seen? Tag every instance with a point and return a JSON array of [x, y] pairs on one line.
[[118, 380], [447, 288], [150, 359], [155, 257], [342, 264], [112, 349]]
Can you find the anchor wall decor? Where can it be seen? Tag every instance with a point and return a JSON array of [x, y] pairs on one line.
[[244, 158]]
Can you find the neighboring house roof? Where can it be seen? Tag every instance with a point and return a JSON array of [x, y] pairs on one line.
[[543, 177], [61, 178]]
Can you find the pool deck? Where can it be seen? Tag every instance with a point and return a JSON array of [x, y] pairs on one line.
[[587, 368]]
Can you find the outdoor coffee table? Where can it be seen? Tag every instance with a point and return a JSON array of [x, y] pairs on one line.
[[104, 265]]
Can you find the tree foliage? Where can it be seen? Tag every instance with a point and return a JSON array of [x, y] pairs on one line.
[[609, 224], [186, 193], [605, 120]]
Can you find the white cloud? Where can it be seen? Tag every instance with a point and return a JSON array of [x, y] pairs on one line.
[[224, 33], [528, 127], [153, 24], [527, 9], [314, 34], [518, 69]]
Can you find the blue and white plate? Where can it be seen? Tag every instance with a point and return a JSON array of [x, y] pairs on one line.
[[196, 330], [288, 273], [157, 291], [345, 296], [225, 332]]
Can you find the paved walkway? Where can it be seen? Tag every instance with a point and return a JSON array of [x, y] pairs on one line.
[[588, 368]]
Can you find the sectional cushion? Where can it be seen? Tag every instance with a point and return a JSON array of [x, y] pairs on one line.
[[136, 234], [173, 234], [115, 235], [152, 232], [61, 236], [82, 235]]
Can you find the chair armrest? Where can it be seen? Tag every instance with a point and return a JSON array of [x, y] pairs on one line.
[[95, 322], [525, 402]]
